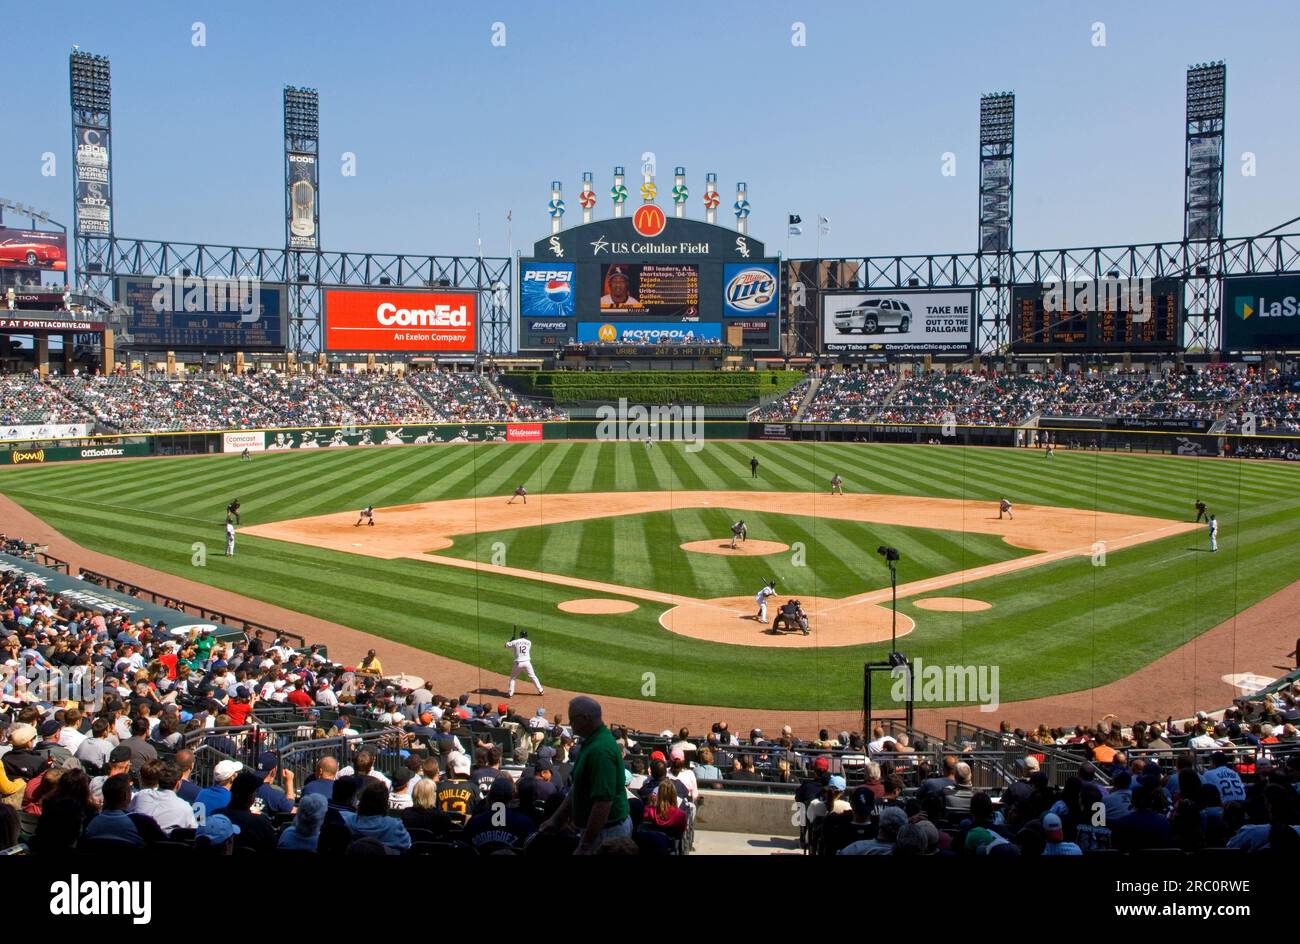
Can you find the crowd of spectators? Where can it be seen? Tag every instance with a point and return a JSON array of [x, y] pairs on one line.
[[138, 402], [25, 400], [1206, 394], [122, 735]]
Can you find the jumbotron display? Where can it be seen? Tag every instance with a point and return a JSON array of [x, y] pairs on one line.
[[668, 291], [1102, 316], [693, 285]]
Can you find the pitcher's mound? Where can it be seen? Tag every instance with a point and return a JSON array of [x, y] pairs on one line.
[[952, 604], [833, 622], [597, 606], [749, 548]]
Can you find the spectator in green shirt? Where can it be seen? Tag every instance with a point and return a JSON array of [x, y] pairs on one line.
[[596, 803]]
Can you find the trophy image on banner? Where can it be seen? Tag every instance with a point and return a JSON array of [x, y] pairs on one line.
[[303, 200], [648, 189]]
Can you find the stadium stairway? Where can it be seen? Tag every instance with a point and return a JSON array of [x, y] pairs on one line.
[[889, 397], [814, 384]]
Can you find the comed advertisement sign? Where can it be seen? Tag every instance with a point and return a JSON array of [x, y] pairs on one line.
[[1261, 313], [395, 320]]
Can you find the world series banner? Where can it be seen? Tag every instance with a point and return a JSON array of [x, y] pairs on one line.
[[304, 213], [92, 177]]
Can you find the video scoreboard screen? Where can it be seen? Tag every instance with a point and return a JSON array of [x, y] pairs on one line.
[[687, 287], [652, 288], [1101, 316]]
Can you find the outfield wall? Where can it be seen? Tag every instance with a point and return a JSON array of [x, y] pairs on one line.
[[1115, 435]]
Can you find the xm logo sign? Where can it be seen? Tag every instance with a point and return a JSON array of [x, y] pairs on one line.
[[650, 424]]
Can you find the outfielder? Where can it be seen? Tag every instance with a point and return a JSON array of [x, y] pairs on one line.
[[520, 492], [247, 456], [738, 530], [837, 484], [522, 648], [367, 515], [753, 467], [1005, 506], [761, 599], [230, 539], [1214, 533]]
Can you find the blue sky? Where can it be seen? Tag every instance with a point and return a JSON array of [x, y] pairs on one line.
[[447, 128]]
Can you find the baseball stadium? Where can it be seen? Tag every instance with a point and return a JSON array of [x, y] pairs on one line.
[[664, 532]]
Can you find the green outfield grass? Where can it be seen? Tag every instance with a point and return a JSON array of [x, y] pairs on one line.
[[838, 558], [1063, 627]]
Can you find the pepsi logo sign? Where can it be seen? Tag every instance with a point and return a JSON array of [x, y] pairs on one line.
[[751, 289], [649, 220]]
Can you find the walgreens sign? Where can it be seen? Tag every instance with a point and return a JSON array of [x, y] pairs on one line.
[[414, 322]]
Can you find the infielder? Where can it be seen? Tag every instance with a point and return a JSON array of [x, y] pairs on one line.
[[522, 648], [520, 492], [761, 599], [1201, 512], [1005, 506], [230, 539], [1214, 533], [232, 510], [738, 530], [367, 515], [837, 484]]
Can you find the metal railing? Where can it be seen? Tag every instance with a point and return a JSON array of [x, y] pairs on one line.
[[1058, 762], [202, 612]]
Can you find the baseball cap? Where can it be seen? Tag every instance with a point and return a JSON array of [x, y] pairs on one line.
[[119, 755], [503, 708], [1031, 763], [837, 783], [459, 763], [978, 838], [659, 755], [677, 754], [226, 769], [402, 776], [822, 764], [267, 762], [217, 829], [1052, 827], [541, 765], [21, 735], [49, 727], [501, 791]]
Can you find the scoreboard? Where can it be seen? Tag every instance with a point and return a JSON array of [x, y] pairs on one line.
[[686, 288], [190, 313], [1097, 316]]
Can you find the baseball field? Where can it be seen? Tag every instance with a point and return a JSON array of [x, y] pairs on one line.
[[620, 561]]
